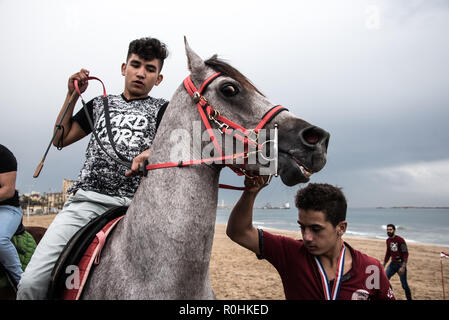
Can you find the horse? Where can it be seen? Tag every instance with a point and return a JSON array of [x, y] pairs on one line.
[[162, 247]]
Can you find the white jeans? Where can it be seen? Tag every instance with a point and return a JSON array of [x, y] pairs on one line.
[[77, 212]]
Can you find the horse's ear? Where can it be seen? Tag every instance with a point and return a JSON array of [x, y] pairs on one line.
[[195, 63]]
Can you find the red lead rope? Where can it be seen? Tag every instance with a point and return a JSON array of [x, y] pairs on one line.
[[89, 78]]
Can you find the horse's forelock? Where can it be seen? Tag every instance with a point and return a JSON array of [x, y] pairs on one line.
[[226, 69]]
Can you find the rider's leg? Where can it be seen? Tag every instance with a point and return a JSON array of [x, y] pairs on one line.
[[77, 212], [10, 218]]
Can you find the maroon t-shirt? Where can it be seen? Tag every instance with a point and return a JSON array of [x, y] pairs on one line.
[[301, 279], [396, 249]]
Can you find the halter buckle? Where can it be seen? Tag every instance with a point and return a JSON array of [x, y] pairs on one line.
[[196, 97], [214, 116]]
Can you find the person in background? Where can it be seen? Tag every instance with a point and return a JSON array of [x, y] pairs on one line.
[[321, 265], [397, 250], [10, 214]]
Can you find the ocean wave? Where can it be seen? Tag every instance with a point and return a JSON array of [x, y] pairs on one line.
[[398, 227], [355, 233]]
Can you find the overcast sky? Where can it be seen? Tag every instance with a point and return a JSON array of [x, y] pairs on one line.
[[375, 74]]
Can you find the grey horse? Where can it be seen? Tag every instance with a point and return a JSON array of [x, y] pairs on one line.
[[162, 247]]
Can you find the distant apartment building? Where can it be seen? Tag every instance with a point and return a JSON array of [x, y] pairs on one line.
[[66, 184], [34, 195], [54, 200], [49, 202]]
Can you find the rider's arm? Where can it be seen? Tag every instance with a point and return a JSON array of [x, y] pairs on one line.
[[240, 224], [7, 185], [72, 131]]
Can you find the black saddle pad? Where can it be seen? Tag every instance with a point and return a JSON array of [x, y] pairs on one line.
[[75, 249]]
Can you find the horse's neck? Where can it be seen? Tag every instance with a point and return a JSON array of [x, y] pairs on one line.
[[192, 188], [172, 217]]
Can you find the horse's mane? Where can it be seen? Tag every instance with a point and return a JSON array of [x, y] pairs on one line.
[[220, 66]]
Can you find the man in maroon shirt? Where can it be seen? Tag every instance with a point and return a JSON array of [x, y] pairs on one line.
[[397, 250], [321, 265]]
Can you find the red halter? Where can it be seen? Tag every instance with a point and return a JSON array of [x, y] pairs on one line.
[[209, 114]]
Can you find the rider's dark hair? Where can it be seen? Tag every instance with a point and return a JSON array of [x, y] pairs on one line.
[[148, 49], [325, 198]]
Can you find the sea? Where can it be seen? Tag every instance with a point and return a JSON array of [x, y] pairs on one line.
[[415, 225]]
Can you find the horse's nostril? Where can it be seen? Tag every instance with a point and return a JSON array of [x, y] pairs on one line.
[[313, 135]]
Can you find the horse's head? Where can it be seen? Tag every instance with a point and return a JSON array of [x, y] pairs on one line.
[[302, 147]]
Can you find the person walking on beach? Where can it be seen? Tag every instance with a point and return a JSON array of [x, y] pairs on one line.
[[102, 183], [10, 214], [397, 250], [321, 265]]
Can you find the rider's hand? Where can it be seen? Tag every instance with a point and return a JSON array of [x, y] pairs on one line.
[[82, 81], [256, 183], [138, 161]]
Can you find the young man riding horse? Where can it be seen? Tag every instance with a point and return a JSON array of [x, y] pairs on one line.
[[102, 183]]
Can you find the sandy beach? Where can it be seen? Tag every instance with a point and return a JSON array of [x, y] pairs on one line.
[[237, 274]]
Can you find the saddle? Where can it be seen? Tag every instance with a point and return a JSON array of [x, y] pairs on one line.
[[81, 254]]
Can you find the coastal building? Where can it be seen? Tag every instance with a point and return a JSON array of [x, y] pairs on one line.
[[34, 195], [66, 184], [53, 200], [48, 203]]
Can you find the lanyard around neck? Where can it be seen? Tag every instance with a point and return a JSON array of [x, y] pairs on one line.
[[328, 294]]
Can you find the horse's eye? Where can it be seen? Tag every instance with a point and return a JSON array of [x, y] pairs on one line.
[[229, 90]]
